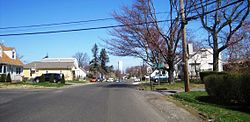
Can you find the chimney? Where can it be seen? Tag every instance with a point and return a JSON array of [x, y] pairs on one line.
[[190, 48]]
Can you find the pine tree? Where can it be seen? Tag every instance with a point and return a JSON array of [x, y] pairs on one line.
[[94, 63], [104, 59]]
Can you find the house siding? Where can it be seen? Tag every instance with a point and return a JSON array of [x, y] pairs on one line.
[[68, 73]]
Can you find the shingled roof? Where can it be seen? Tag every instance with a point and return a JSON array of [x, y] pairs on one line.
[[49, 65], [6, 59]]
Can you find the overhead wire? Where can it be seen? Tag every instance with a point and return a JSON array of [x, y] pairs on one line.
[[76, 22], [106, 27]]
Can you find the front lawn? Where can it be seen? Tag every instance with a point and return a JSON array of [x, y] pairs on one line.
[[213, 111], [167, 86], [77, 81], [31, 85]]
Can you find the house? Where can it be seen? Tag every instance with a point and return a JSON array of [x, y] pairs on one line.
[[67, 66], [199, 61], [10, 64]]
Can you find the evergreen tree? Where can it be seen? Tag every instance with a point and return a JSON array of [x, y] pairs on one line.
[[94, 63], [8, 79], [104, 59]]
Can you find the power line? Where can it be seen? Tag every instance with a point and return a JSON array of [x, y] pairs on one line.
[[62, 23], [75, 30], [111, 26], [54, 24], [75, 22]]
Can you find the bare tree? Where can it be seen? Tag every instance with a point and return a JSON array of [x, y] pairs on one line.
[[82, 59], [240, 50], [145, 37], [222, 20]]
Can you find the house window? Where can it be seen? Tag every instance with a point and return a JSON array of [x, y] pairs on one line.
[[4, 69], [13, 54], [203, 55], [11, 70], [18, 70], [1, 68]]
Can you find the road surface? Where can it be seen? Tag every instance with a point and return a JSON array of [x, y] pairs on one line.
[[102, 102]]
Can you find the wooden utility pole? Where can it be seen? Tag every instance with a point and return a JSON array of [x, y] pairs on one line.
[[184, 46]]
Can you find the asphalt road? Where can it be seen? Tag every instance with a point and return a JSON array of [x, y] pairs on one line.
[[105, 102]]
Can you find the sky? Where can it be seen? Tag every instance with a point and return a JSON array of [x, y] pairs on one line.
[[35, 47]]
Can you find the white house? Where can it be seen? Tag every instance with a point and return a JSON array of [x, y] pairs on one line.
[[10, 64], [200, 61]]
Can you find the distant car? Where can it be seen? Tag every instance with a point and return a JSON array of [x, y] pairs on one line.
[[137, 80], [56, 77], [110, 80], [159, 79], [93, 79]]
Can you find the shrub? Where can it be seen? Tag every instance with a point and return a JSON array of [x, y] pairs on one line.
[[207, 73], [8, 79], [3, 78], [229, 88], [63, 79], [42, 78], [51, 78]]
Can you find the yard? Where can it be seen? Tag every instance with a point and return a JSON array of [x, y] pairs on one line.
[[30, 85], [167, 86], [210, 109]]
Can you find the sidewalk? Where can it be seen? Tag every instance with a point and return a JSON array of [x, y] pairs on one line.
[[171, 92]]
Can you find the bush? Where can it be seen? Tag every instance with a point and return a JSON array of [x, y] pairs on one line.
[[63, 79], [3, 78], [51, 78], [205, 74], [8, 79], [229, 88], [42, 78]]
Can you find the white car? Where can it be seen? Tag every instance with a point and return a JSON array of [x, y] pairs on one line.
[[110, 80], [137, 80]]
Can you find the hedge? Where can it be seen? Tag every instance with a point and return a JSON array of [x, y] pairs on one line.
[[229, 88], [207, 73], [3, 78], [8, 79]]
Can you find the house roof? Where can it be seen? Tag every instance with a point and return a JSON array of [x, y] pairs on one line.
[[6, 48], [6, 59], [49, 65]]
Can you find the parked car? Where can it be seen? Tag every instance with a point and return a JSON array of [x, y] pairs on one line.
[[56, 77], [159, 79], [137, 80], [93, 79], [110, 80]]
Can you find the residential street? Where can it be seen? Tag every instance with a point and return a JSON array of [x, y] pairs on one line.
[[102, 102]]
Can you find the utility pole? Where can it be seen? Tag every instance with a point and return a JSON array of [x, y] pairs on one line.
[[184, 46]]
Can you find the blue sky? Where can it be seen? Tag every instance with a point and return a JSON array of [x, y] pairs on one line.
[[35, 47]]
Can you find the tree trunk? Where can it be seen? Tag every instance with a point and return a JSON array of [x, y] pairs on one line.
[[215, 53], [216, 60], [171, 72]]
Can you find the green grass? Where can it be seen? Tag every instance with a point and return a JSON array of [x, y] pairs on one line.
[[219, 113], [48, 84], [31, 85], [175, 86], [75, 81]]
